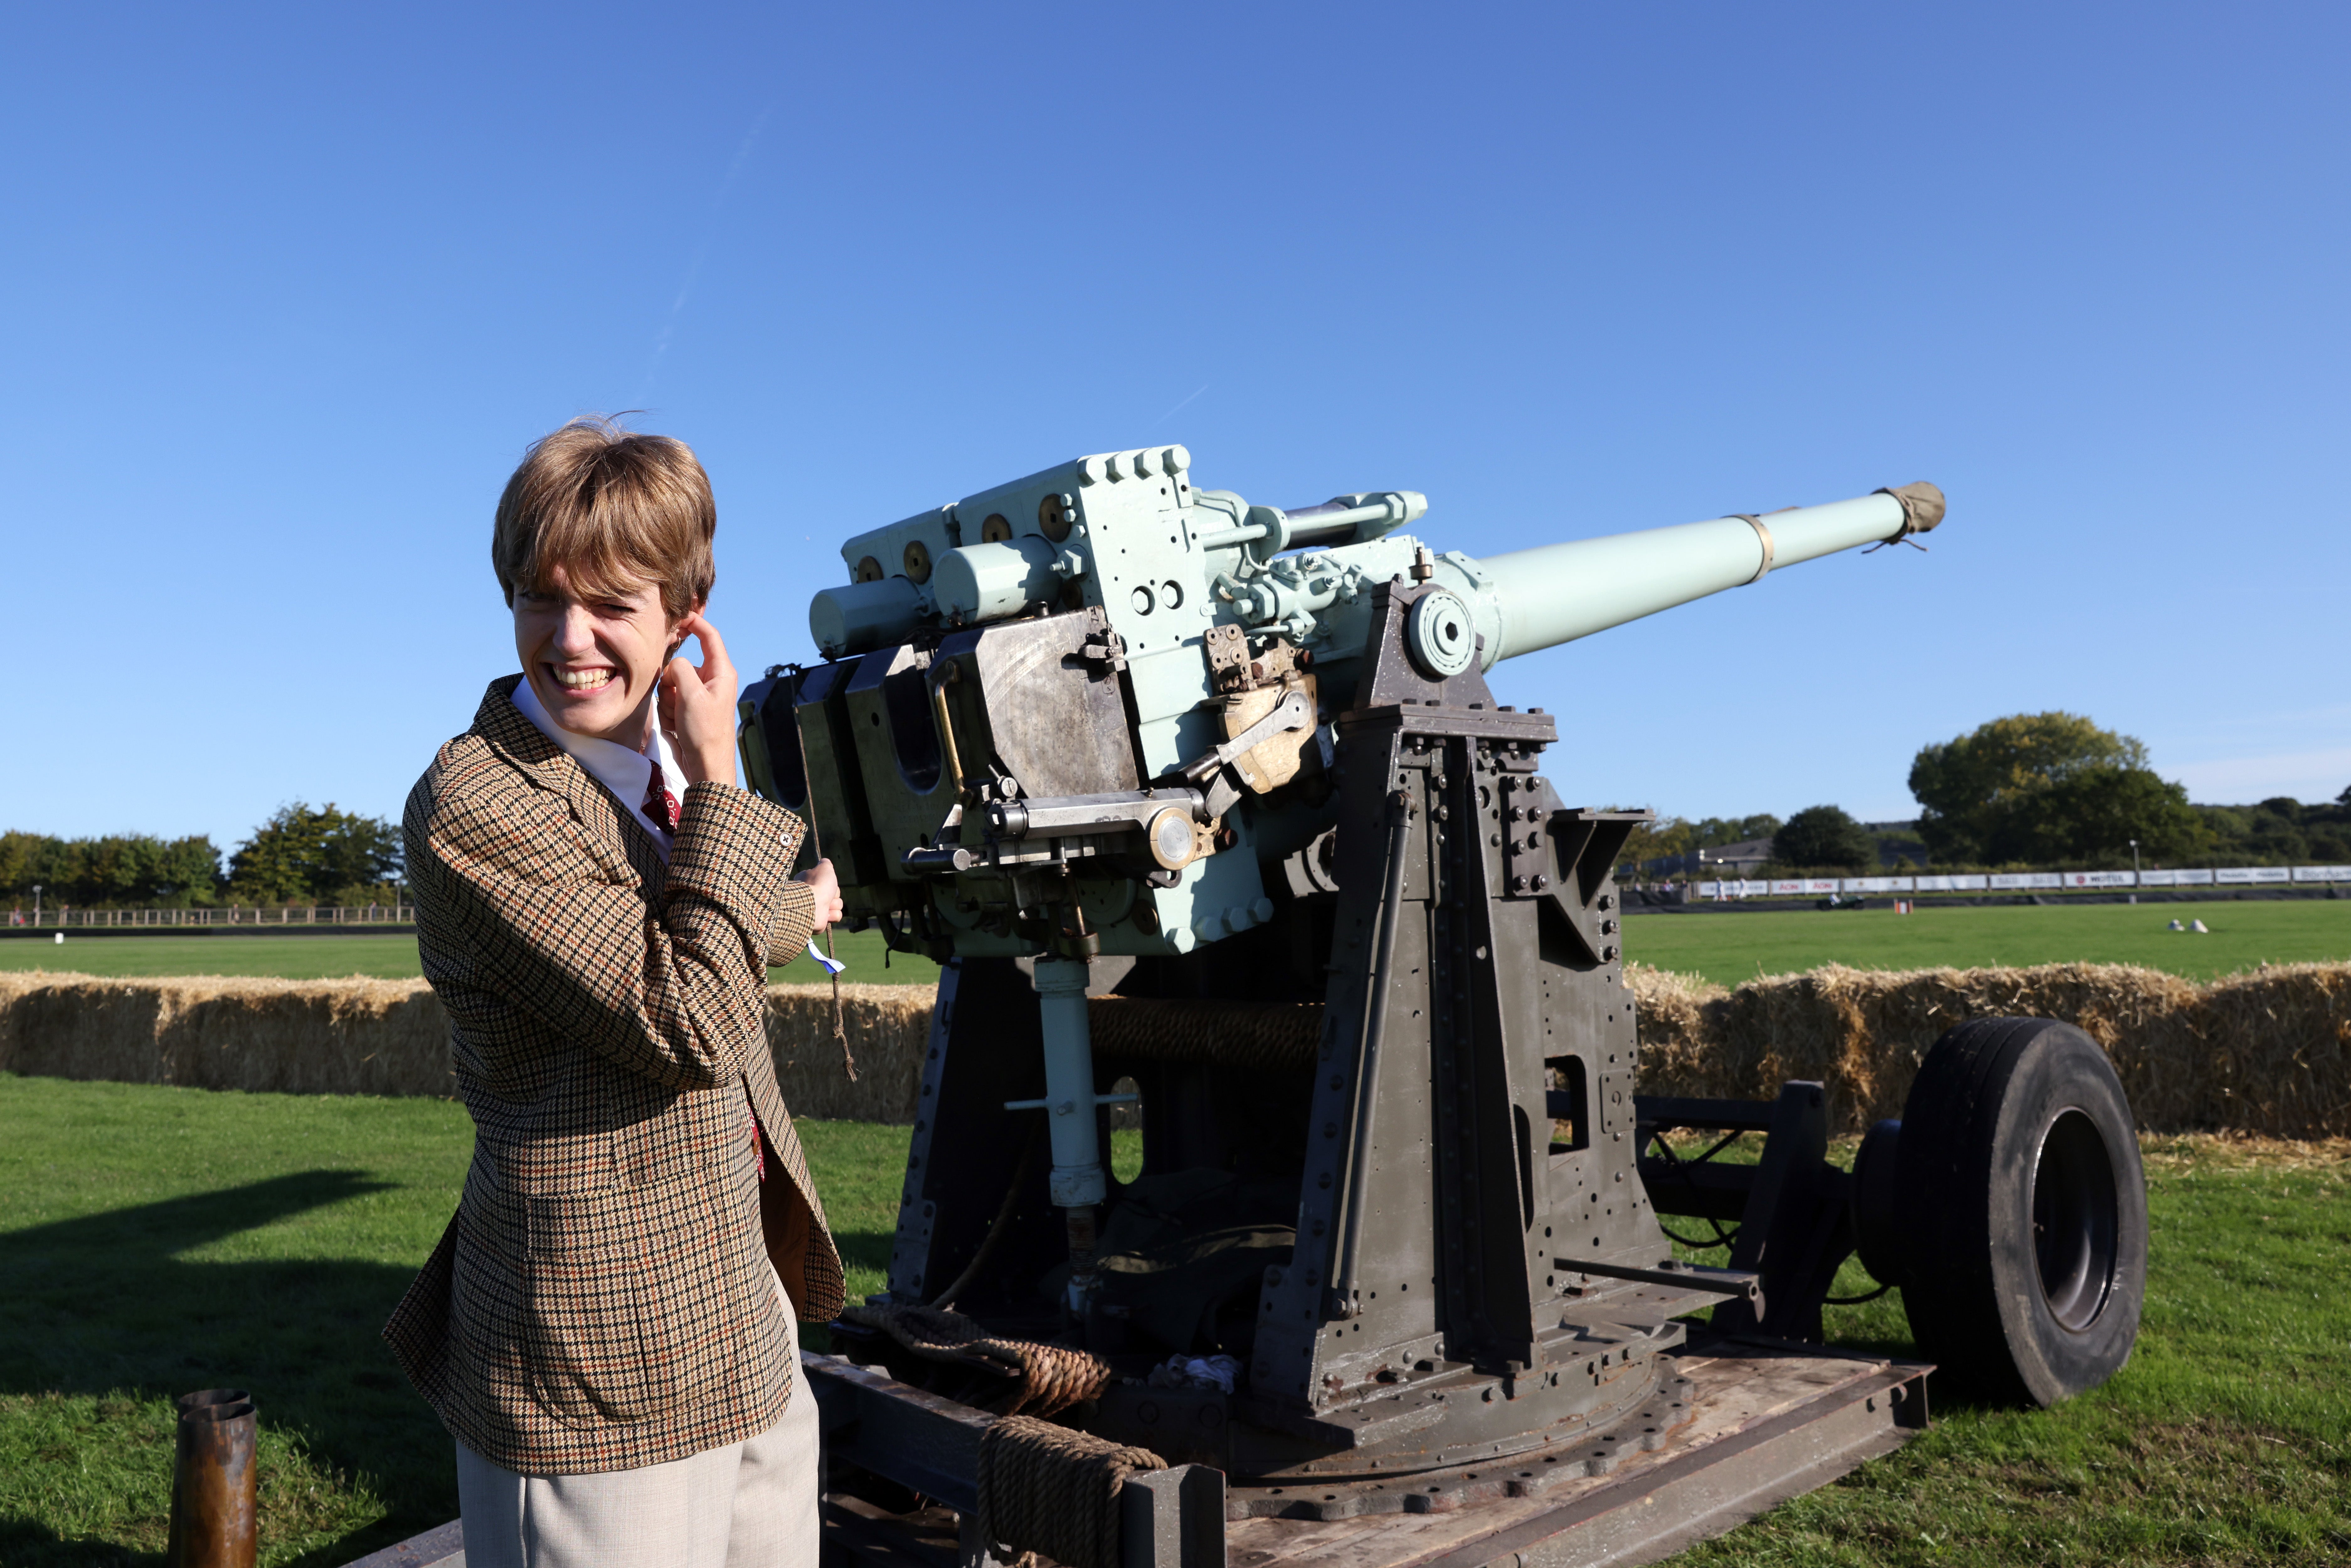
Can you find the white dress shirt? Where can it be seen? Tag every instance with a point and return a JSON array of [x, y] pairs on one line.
[[625, 772]]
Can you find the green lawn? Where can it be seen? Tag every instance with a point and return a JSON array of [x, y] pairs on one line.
[[1726, 948], [383, 957], [157, 1240], [2226, 1440], [153, 1240], [1734, 947]]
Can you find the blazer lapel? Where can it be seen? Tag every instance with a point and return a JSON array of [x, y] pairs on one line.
[[610, 825]]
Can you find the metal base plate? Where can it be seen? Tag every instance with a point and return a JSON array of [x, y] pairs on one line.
[[1773, 1421], [1531, 1472]]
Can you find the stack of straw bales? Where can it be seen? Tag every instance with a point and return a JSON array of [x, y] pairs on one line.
[[300, 1037], [2268, 1052], [390, 1037]]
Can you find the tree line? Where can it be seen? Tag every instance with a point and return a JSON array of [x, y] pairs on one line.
[[2031, 790], [302, 854]]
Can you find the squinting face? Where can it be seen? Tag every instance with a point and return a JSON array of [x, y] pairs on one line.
[[594, 661]]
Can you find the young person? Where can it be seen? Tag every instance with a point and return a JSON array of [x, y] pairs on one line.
[[606, 1328]]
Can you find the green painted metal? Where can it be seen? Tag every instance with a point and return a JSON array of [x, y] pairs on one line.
[[1130, 536]]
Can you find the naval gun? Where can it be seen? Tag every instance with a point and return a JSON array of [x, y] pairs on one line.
[[1213, 797]]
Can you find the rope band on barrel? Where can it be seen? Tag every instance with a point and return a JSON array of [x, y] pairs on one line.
[[1229, 1033]]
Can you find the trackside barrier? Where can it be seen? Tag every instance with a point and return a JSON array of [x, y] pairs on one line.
[[1804, 886], [65, 917]]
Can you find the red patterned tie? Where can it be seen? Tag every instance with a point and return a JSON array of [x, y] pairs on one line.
[[660, 804]]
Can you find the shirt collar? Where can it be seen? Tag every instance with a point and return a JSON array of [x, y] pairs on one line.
[[625, 772]]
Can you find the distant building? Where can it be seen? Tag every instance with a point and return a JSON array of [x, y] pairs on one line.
[[1898, 842], [1740, 859]]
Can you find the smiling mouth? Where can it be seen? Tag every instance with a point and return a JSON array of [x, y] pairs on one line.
[[581, 680]]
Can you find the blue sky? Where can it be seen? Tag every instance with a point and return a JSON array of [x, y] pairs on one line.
[[286, 291]]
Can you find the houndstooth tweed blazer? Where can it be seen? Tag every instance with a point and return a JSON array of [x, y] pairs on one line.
[[602, 1300]]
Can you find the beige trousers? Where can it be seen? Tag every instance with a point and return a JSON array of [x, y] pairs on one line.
[[749, 1505]]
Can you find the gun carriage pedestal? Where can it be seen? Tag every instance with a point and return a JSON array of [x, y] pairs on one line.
[[1246, 828]]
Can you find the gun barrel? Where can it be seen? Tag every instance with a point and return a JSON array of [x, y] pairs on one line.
[[1556, 593]]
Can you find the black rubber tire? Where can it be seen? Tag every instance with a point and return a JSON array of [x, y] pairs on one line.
[[2024, 1212]]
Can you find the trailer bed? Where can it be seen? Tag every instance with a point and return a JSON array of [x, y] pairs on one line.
[[1774, 1420]]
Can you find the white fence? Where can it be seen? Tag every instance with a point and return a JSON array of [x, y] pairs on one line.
[[66, 917], [2019, 882]]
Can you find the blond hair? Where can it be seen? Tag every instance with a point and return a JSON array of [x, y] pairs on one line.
[[613, 509]]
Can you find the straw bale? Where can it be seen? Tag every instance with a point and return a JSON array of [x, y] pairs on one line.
[[888, 1029], [2266, 1052], [2272, 1051], [58, 1025], [390, 1037], [303, 1037], [1680, 1025]]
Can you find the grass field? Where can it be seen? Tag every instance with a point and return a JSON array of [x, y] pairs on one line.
[[155, 1240], [1726, 948], [1731, 947], [381, 957], [159, 1240]]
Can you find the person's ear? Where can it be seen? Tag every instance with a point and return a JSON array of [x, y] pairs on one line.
[[676, 637]]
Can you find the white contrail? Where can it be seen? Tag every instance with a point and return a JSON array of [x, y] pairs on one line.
[[702, 252], [1179, 407]]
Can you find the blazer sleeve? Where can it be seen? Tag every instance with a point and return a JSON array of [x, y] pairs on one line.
[[795, 923], [673, 990]]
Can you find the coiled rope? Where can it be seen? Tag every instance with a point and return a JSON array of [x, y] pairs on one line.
[[1051, 1491], [1052, 1377]]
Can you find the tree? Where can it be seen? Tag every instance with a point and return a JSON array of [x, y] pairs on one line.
[[2093, 815], [1970, 786], [301, 855], [121, 869], [1824, 836], [1716, 831], [1664, 838]]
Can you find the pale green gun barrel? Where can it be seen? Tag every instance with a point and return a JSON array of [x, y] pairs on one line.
[[1555, 593]]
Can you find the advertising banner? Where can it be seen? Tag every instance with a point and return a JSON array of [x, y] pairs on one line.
[[1977, 882]]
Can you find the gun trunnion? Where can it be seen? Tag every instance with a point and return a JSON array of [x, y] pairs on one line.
[[1214, 798]]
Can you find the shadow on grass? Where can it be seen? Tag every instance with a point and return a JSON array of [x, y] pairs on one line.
[[27, 1541], [112, 1302], [108, 1302]]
